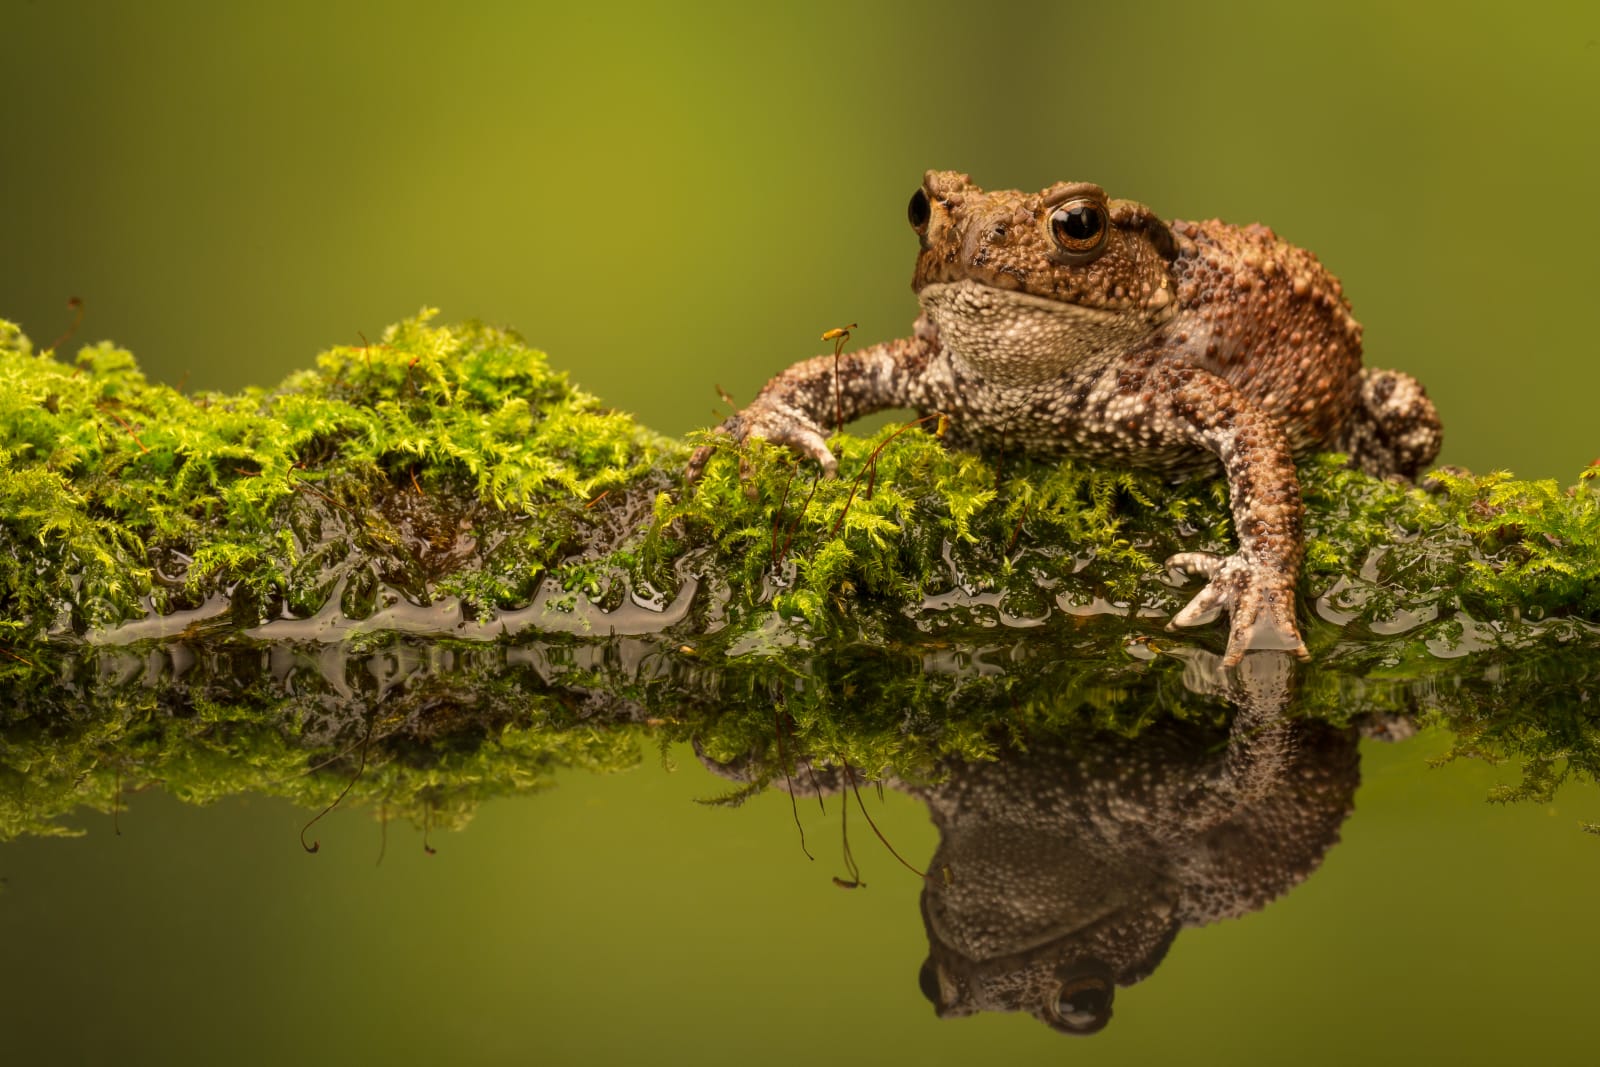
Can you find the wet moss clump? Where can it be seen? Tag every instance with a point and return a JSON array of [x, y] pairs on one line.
[[426, 730], [446, 480], [440, 462]]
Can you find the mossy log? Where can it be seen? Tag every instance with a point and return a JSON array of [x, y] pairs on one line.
[[436, 552], [447, 481]]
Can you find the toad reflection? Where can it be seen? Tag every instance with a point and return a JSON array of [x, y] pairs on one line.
[[1072, 866]]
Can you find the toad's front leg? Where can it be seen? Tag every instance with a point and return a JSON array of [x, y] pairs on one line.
[[827, 391], [1255, 585]]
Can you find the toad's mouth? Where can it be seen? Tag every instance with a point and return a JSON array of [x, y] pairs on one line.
[[1017, 339], [1046, 940], [1142, 934], [1005, 289]]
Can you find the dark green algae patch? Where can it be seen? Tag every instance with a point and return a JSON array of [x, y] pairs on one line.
[[433, 568]]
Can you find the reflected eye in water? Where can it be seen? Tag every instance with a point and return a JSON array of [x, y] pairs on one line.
[[1081, 1005]]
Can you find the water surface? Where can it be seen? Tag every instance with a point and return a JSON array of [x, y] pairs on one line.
[[611, 916]]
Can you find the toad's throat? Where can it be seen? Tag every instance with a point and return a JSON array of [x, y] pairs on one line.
[[1014, 339]]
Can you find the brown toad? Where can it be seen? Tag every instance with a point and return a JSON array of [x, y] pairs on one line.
[[1067, 864], [1065, 322]]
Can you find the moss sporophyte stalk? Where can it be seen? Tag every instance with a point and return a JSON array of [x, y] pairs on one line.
[[435, 554]]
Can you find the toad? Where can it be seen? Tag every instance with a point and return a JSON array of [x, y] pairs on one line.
[[1070, 323], [1068, 863], [1073, 867]]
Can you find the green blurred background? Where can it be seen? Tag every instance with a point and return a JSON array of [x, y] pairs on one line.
[[670, 196], [667, 197]]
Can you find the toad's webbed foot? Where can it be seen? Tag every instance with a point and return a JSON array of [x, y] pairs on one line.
[[775, 421], [1258, 598]]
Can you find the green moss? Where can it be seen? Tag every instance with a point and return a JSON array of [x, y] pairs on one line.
[[427, 730], [407, 568], [440, 460], [451, 464], [429, 751]]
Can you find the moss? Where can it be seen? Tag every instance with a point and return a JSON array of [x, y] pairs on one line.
[[428, 751], [415, 568], [427, 730], [450, 467], [442, 460]]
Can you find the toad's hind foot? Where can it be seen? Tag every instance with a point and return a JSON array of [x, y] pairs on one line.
[[1394, 428], [1258, 598]]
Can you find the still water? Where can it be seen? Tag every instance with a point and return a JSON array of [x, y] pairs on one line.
[[1261, 889]]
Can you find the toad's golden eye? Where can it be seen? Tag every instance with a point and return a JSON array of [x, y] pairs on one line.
[[919, 211], [1079, 229]]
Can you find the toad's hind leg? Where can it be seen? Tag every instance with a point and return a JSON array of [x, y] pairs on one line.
[[1394, 428]]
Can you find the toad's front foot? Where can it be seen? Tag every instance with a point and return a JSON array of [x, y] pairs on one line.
[[775, 421], [1259, 600]]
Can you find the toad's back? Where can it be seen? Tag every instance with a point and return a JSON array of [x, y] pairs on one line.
[[1266, 316]]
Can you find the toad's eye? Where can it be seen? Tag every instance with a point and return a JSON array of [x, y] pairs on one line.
[[919, 211], [1079, 229], [1081, 1005]]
